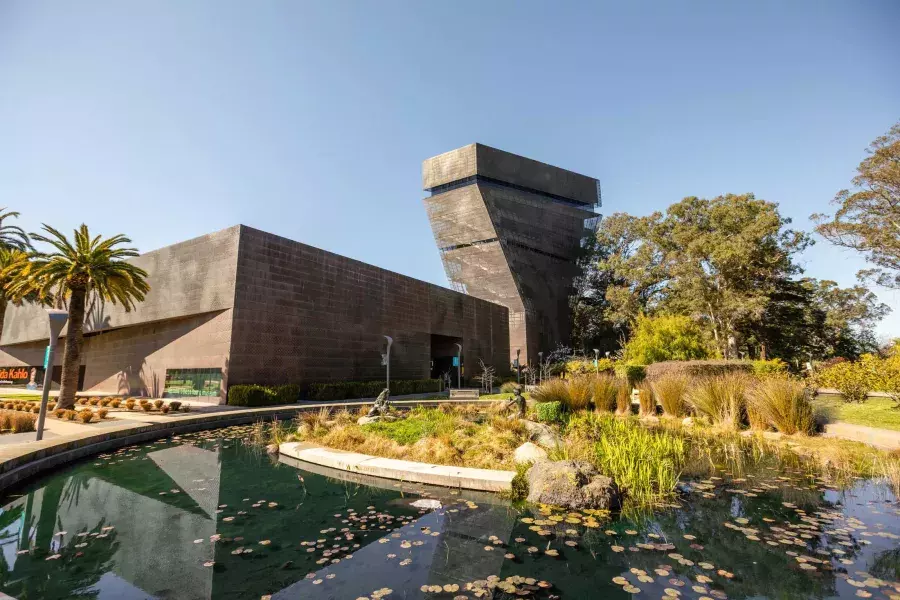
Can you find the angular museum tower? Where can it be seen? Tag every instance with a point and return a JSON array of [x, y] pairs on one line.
[[509, 229]]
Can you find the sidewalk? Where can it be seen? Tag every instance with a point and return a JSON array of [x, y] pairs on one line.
[[885, 439]]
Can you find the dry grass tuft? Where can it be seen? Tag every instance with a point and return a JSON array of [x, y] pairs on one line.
[[647, 399], [603, 390], [623, 397], [671, 391], [782, 403], [12, 422], [721, 398]]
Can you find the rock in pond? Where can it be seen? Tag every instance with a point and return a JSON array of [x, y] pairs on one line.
[[429, 503], [529, 452], [542, 435], [572, 484], [272, 449]]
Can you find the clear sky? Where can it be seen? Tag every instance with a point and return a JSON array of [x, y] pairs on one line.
[[167, 119]]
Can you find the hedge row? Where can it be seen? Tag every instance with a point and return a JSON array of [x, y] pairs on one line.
[[349, 390], [698, 368], [262, 395]]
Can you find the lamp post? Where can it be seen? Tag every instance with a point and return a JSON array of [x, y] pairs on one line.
[[541, 366], [387, 362], [518, 365], [597, 361], [57, 320], [459, 366]]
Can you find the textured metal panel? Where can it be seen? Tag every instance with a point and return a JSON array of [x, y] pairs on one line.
[[511, 236]]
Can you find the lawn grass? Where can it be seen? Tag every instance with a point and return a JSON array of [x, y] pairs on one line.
[[873, 412], [24, 396]]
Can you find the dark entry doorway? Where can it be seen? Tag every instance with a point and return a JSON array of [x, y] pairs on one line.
[[443, 351]]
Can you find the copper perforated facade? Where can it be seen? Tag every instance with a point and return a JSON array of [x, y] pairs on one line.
[[508, 229]]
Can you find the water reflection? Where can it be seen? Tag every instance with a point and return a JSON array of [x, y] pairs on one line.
[[204, 517]]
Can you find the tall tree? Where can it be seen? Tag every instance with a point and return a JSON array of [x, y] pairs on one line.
[[12, 236], [72, 272], [868, 218], [13, 280]]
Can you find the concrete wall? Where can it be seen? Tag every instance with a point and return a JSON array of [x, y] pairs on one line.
[[304, 315]]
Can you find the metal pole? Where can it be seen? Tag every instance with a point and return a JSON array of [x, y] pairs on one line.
[[459, 366], [541, 365], [390, 341], [596, 361], [518, 366], [57, 320]]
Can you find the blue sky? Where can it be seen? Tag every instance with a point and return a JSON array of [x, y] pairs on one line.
[[168, 119]]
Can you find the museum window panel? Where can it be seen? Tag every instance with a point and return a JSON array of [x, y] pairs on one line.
[[192, 383]]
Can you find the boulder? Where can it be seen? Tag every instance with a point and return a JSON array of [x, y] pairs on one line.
[[542, 434], [688, 422], [272, 449], [529, 452], [572, 484], [428, 503], [367, 420]]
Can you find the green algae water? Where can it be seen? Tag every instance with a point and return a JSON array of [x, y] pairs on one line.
[[208, 516]]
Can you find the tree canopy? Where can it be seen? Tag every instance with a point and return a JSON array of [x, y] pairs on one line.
[[868, 218]]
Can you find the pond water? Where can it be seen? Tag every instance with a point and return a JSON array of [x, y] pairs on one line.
[[204, 516]]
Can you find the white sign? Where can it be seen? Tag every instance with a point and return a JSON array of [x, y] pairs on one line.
[[383, 359]]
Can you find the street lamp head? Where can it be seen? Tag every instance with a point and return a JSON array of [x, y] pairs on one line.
[[57, 320]]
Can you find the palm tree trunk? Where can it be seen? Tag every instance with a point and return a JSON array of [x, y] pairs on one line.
[[3, 303], [72, 356]]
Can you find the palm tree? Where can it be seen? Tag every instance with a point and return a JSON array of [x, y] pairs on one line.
[[13, 268], [12, 236], [71, 273]]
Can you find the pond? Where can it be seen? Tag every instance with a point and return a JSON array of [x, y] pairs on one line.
[[206, 516]]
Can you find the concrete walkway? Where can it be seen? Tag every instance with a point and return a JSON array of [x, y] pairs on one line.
[[485, 480], [885, 439]]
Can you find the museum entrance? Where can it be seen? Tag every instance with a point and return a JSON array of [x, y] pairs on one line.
[[443, 354]]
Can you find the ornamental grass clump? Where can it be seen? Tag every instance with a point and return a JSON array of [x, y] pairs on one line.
[[129, 404], [646, 399], [783, 404], [579, 393], [671, 392], [115, 403], [623, 396], [552, 390], [603, 391], [158, 403], [721, 399], [645, 463], [85, 416], [101, 413], [11, 422], [70, 415], [175, 405]]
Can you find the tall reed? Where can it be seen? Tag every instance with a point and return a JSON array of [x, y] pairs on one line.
[[671, 392], [579, 392], [784, 404], [552, 390], [603, 390], [721, 398]]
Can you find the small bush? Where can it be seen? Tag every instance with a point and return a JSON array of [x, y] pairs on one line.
[[95, 401], [774, 366], [164, 410], [260, 395], [83, 401], [186, 408], [666, 337], [784, 404], [115, 403], [509, 387], [70, 415], [631, 373], [698, 368], [720, 398], [147, 406], [603, 392], [105, 401], [51, 406], [586, 366], [85, 416], [59, 412], [36, 409], [129, 404], [548, 412], [158, 404], [519, 486], [671, 391], [175, 405], [647, 400], [101, 413], [17, 423]]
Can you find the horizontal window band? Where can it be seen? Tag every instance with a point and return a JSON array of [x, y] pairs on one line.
[[473, 179], [507, 243]]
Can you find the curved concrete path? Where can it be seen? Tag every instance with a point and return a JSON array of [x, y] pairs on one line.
[[485, 480], [22, 460], [885, 439]]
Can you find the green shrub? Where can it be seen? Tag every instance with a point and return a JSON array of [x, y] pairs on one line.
[[856, 379], [774, 366], [784, 404], [260, 395], [666, 337], [603, 392], [548, 412], [698, 368], [344, 390], [579, 366], [671, 391], [631, 373], [722, 399], [519, 486]]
